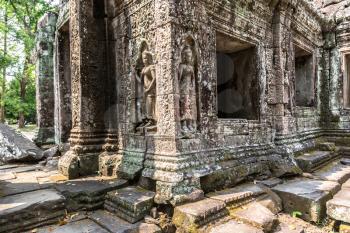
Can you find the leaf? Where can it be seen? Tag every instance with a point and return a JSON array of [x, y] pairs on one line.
[[296, 214]]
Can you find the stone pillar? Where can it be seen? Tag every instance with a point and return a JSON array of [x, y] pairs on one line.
[[62, 84], [281, 88], [88, 73], [44, 79]]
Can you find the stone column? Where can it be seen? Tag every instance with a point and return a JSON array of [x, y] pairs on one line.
[[88, 73], [44, 79], [282, 87]]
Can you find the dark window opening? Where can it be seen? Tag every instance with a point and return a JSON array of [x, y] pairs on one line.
[[347, 81], [304, 78], [237, 85], [99, 9]]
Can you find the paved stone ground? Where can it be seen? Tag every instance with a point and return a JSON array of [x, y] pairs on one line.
[[31, 196], [28, 189]]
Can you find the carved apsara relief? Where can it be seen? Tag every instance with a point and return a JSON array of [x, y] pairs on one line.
[[145, 90], [187, 88]]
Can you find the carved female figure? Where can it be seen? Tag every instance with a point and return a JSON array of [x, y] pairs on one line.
[[187, 84], [148, 77]]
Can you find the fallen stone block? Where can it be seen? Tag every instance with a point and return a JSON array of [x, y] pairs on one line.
[[334, 172], [233, 227], [256, 215], [28, 210], [237, 196], [88, 193], [307, 196], [339, 207], [131, 203], [14, 147], [190, 217], [310, 161]]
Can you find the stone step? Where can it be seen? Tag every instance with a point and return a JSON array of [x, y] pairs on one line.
[[131, 203], [233, 226], [339, 207], [29, 210], [334, 171], [307, 196], [237, 196], [344, 151], [310, 161], [88, 193], [256, 215], [191, 217]]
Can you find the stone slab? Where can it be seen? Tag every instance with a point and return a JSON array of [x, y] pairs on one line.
[[88, 193], [307, 196], [9, 166], [130, 203], [23, 169], [339, 207], [233, 227], [110, 221], [311, 160], [272, 182], [23, 210], [83, 226], [334, 172], [256, 215], [117, 225], [90, 186], [7, 176], [237, 195], [196, 214]]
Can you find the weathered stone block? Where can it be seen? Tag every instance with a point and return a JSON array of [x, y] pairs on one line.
[[88, 193], [192, 216], [114, 224], [256, 215], [311, 160], [339, 207], [238, 195], [334, 172], [130, 203], [307, 196]]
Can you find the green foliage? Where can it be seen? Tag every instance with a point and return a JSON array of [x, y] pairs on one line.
[[19, 32], [13, 103]]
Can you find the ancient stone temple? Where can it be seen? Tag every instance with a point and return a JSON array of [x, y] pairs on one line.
[[188, 97]]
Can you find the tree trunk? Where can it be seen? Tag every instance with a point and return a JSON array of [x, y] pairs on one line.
[[3, 83], [22, 92]]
